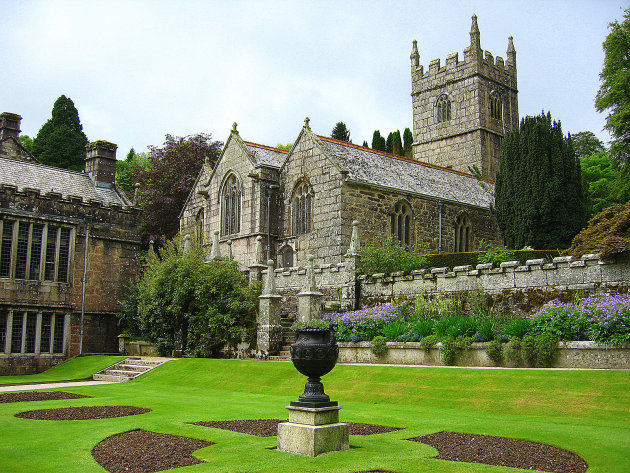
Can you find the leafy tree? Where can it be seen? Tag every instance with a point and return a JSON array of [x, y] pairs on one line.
[[539, 198], [606, 184], [286, 147], [168, 178], [378, 142], [126, 169], [27, 142], [60, 141], [586, 143], [408, 143], [614, 92], [211, 303], [341, 132]]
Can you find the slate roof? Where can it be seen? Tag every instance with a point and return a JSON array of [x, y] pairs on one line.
[[266, 155], [374, 168], [29, 174]]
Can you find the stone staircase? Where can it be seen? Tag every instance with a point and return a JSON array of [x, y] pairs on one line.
[[288, 339], [128, 369]]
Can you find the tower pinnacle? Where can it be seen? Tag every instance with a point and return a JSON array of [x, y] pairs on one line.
[[415, 55], [511, 52], [475, 36]]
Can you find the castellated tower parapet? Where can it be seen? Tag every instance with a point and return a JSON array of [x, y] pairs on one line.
[[462, 110]]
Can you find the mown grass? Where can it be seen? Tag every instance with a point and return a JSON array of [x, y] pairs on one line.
[[582, 411]]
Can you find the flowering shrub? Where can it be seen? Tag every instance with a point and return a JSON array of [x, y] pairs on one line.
[[364, 324], [603, 318]]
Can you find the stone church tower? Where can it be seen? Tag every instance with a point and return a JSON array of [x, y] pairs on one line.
[[462, 111]]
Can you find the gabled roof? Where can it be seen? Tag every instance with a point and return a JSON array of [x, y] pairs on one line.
[[266, 155], [31, 174], [375, 168]]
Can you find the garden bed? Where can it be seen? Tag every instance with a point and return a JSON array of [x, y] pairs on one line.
[[588, 355]]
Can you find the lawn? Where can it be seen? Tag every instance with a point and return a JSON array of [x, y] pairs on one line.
[[582, 411]]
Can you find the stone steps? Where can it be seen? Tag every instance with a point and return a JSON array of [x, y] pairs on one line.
[[127, 370]]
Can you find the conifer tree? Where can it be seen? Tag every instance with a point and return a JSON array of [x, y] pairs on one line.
[[397, 146], [60, 141], [341, 132], [539, 197], [389, 143], [408, 143], [378, 142]]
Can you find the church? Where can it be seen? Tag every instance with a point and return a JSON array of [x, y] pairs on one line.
[[303, 201]]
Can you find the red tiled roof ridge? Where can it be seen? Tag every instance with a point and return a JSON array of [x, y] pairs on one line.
[[270, 148], [404, 158]]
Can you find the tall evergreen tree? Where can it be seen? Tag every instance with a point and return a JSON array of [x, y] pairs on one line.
[[408, 143], [341, 132], [539, 197], [397, 146], [389, 143], [60, 141], [378, 141]]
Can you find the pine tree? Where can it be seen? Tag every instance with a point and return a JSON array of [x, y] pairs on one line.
[[539, 197], [408, 143], [341, 132], [61, 142]]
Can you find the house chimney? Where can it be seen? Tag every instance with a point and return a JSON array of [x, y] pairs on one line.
[[9, 125], [100, 162]]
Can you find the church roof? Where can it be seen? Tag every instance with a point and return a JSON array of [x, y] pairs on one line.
[[33, 175], [266, 155], [375, 168]]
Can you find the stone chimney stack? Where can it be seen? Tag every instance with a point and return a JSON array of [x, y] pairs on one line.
[[9, 125], [100, 162]]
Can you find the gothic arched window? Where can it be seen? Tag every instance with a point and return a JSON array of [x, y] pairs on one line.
[[496, 106], [463, 234], [199, 224], [400, 223], [231, 206], [302, 203], [443, 108]]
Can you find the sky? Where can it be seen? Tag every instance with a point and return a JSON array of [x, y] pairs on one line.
[[140, 69]]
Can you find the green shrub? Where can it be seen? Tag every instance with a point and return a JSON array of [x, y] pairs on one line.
[[387, 255], [494, 254], [455, 326], [394, 330], [512, 352], [528, 350], [437, 306], [423, 328], [546, 347], [428, 342], [517, 328], [452, 347], [379, 346], [495, 351], [564, 321], [485, 331]]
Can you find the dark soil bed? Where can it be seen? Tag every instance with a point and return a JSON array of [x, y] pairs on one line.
[[25, 396], [83, 413], [141, 451], [503, 451], [269, 427]]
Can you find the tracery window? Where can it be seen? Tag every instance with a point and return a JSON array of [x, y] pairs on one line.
[[302, 208], [400, 223], [463, 234], [443, 108], [496, 106], [199, 224], [231, 206], [287, 257], [34, 251], [24, 331]]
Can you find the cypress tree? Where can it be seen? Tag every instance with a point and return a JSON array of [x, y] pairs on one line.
[[539, 197], [397, 146], [389, 143], [408, 143], [60, 141], [378, 142]]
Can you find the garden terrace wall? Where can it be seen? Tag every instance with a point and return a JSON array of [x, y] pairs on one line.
[[589, 355], [513, 287]]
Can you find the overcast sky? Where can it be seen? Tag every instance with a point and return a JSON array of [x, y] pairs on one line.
[[137, 70]]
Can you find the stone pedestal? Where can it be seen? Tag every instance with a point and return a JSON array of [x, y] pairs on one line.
[[313, 431], [309, 306], [269, 335]]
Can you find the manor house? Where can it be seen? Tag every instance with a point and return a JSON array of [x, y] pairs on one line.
[[69, 242], [304, 201]]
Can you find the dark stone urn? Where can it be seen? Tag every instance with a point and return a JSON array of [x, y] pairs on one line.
[[314, 354]]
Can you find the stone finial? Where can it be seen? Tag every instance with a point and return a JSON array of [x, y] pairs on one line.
[[260, 255], [229, 250], [270, 281], [234, 126], [415, 55], [475, 35], [355, 242], [187, 243], [216, 250], [511, 52], [307, 122], [136, 193], [151, 247]]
